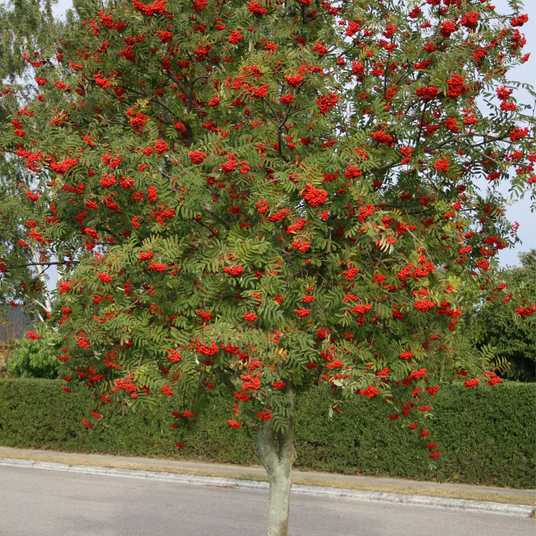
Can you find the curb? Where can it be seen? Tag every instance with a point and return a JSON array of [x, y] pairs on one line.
[[518, 510]]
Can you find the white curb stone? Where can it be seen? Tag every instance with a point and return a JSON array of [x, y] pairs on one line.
[[520, 510]]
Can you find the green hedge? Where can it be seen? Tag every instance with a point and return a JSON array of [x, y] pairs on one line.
[[487, 436]]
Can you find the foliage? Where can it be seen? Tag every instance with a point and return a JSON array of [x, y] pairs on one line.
[[35, 358], [495, 449], [251, 199]]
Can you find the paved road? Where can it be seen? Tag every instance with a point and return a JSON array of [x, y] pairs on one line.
[[37, 502]]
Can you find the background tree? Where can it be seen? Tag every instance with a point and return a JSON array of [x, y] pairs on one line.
[[26, 28], [507, 331], [253, 198]]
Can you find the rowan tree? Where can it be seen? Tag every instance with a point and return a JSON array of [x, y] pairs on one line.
[[251, 198]]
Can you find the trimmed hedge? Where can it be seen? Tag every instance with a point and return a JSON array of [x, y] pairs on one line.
[[486, 436]]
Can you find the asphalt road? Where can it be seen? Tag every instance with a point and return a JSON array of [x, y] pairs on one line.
[[37, 502]]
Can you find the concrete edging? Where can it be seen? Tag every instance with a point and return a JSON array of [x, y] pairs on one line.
[[519, 510]]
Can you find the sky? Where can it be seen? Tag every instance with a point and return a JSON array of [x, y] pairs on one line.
[[518, 211]]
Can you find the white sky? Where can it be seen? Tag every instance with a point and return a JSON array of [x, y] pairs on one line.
[[520, 211]]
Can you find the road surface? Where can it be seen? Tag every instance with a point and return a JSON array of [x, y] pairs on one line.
[[38, 502]]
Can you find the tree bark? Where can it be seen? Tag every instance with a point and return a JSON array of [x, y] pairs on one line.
[[277, 454]]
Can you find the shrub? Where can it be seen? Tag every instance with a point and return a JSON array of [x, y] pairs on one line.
[[35, 358], [508, 333]]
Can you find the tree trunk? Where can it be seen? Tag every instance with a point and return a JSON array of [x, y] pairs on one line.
[[276, 452], [279, 500]]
